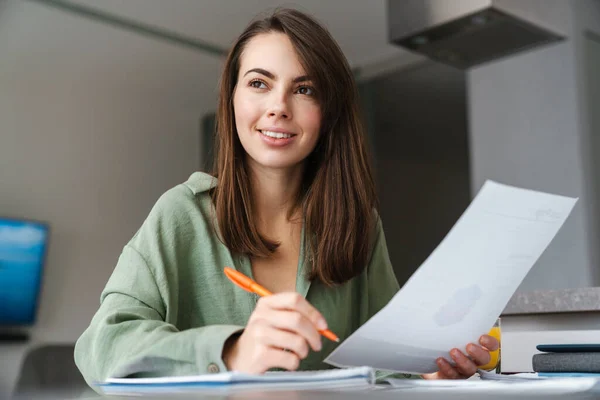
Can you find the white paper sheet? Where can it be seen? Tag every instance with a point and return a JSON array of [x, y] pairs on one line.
[[457, 294], [360, 377]]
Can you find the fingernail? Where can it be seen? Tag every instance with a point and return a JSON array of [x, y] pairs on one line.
[[321, 324], [487, 344]]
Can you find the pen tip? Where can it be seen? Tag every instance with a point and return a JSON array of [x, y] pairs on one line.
[[337, 340]]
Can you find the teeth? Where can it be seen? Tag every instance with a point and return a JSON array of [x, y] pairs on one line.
[[276, 135]]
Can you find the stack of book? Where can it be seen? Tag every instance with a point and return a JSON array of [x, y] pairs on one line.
[[567, 360]]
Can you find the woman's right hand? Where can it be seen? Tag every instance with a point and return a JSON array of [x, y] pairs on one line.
[[280, 322]]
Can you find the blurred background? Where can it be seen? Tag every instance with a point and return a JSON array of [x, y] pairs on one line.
[[106, 104]]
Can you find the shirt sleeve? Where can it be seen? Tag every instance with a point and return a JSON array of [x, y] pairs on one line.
[[133, 333], [128, 335], [383, 285]]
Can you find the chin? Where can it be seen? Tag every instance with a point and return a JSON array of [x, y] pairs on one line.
[[277, 163]]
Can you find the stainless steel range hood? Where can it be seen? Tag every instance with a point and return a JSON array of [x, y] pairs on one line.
[[465, 33]]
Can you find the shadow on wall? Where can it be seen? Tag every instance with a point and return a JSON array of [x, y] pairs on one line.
[[422, 158]]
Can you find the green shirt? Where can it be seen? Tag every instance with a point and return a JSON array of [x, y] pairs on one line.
[[168, 308]]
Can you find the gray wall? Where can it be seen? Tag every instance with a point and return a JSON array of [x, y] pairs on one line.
[[419, 122], [528, 127], [592, 100], [587, 53]]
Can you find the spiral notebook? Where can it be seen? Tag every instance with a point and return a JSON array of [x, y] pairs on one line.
[[227, 381]]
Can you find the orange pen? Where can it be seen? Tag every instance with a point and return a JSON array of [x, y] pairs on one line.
[[249, 285]]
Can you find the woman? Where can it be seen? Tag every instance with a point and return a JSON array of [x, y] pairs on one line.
[[292, 205]]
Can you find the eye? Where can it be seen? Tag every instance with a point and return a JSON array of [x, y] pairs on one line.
[[307, 90], [256, 83]]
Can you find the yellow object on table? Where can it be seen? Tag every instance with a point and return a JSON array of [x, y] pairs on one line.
[[495, 355]]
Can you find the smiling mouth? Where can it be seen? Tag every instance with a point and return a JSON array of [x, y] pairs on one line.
[[276, 135]]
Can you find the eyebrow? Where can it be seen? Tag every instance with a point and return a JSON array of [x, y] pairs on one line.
[[270, 75]]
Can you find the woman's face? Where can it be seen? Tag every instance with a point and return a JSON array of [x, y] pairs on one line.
[[277, 115]]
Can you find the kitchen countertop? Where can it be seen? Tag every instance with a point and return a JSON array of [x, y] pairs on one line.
[[554, 301]]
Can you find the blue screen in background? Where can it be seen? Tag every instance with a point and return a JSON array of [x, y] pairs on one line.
[[22, 254]]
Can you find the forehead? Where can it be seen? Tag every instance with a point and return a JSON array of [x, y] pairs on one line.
[[273, 52]]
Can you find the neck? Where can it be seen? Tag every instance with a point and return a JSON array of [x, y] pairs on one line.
[[275, 193]]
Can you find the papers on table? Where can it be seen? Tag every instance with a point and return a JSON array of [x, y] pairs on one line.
[[230, 381], [457, 294], [524, 376], [503, 384]]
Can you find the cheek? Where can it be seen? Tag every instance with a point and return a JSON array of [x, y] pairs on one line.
[[312, 120], [245, 113]]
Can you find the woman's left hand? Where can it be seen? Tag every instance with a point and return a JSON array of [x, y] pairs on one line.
[[465, 366]]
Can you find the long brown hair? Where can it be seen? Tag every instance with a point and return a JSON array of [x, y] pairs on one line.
[[337, 194]]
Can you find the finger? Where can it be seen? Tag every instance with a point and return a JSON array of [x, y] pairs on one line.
[[280, 339], [464, 365], [446, 369], [479, 355], [282, 359], [295, 322], [489, 342], [294, 301]]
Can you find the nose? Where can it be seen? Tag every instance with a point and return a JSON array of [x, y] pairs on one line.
[[279, 107]]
